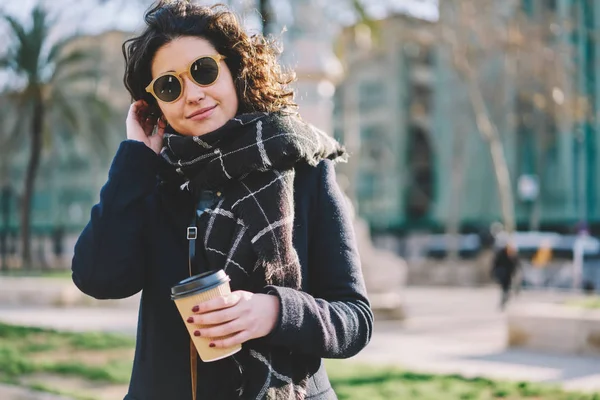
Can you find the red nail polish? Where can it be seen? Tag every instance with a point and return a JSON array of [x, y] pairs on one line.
[[190, 319], [210, 345], [196, 333], [195, 309]]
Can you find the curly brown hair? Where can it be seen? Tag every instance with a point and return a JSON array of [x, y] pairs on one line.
[[260, 81]]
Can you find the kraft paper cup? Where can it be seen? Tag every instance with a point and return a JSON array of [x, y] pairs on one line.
[[195, 290]]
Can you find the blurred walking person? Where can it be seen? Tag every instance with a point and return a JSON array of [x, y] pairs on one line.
[[504, 268]]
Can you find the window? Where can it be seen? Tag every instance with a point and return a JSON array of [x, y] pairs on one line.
[[366, 185], [375, 143], [551, 5], [420, 101], [372, 95], [420, 175]]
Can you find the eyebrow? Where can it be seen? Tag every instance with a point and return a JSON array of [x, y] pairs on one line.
[[172, 70]]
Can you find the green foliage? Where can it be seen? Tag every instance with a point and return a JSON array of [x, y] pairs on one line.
[[63, 74]]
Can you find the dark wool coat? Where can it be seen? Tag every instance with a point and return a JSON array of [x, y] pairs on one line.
[[136, 240]]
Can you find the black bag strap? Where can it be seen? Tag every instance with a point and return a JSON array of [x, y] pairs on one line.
[[206, 200]]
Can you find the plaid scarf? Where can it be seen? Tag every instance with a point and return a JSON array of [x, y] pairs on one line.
[[248, 233]]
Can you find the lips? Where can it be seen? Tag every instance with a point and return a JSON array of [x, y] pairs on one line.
[[203, 112]]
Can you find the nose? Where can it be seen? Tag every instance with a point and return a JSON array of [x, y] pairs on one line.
[[191, 91]]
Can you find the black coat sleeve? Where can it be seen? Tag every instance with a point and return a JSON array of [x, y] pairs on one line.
[[109, 254], [334, 320]]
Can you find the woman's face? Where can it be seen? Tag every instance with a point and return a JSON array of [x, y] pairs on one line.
[[217, 103]]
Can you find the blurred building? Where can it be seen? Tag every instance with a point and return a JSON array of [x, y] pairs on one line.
[[308, 51], [419, 161]]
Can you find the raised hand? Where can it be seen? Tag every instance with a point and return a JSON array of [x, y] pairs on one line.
[[140, 126]]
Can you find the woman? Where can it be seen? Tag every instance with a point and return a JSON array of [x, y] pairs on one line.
[[213, 143]]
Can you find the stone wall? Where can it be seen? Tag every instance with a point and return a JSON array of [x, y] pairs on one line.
[[384, 273], [443, 272], [554, 328]]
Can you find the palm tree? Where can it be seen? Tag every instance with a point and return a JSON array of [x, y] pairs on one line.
[[52, 80], [264, 9], [8, 144]]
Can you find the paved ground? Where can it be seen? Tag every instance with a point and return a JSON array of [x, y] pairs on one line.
[[448, 331], [461, 331]]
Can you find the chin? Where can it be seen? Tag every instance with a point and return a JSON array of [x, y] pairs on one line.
[[207, 127]]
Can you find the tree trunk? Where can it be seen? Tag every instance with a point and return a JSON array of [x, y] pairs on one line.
[[460, 48], [265, 12], [456, 198], [32, 169], [490, 133], [5, 207]]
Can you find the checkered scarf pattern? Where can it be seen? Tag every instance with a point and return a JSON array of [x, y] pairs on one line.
[[248, 233]]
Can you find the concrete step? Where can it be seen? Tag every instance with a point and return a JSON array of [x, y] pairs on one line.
[[55, 292]]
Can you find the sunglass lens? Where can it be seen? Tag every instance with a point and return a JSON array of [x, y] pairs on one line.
[[167, 88], [205, 71]]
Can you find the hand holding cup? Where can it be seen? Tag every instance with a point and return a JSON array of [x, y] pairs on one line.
[[236, 318]]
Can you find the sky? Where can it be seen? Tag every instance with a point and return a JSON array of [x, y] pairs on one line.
[[95, 16], [126, 14], [120, 14]]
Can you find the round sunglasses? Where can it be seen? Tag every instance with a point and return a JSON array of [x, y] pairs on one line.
[[168, 87]]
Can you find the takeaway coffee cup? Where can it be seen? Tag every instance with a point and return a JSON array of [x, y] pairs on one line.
[[195, 290]]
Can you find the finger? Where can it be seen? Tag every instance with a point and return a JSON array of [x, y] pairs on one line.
[[216, 317], [239, 338], [227, 328], [218, 303], [147, 127], [141, 107], [137, 105], [160, 130], [149, 122], [162, 125], [137, 111]]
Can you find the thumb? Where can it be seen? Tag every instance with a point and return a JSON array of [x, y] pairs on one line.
[[157, 138]]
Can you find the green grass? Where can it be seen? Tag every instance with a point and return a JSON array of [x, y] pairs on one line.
[[353, 381], [26, 351], [591, 302], [47, 389], [112, 372], [29, 339], [19, 346], [38, 273]]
